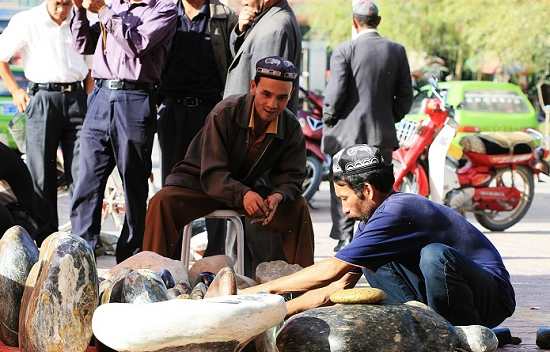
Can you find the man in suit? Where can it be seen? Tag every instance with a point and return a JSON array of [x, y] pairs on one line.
[[368, 92], [265, 28]]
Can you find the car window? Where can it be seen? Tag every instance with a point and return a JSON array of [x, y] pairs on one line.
[[494, 101], [21, 81]]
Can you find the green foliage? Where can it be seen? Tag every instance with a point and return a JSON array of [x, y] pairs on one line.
[[513, 31]]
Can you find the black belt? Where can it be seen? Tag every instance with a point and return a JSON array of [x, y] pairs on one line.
[[56, 87], [193, 101], [119, 84]]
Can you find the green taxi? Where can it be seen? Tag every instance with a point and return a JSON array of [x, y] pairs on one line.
[[8, 108], [482, 106]]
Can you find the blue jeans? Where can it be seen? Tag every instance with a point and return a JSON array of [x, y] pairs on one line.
[[454, 286]]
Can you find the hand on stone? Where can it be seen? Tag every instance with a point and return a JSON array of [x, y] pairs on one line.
[[21, 99], [246, 17], [272, 202], [93, 6], [254, 205]]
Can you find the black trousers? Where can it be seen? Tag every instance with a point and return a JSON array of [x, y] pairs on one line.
[[342, 227], [54, 119]]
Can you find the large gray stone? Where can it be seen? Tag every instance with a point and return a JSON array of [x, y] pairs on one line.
[[359, 328], [269, 271], [59, 308], [18, 253]]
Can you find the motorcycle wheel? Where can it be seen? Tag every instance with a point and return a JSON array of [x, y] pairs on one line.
[[409, 183], [314, 171], [521, 178]]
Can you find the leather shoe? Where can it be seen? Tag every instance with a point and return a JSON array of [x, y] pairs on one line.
[[341, 244]]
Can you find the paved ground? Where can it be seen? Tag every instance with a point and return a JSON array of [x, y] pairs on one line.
[[525, 248]]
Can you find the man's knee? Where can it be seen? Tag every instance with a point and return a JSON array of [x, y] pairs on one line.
[[160, 200], [434, 256]]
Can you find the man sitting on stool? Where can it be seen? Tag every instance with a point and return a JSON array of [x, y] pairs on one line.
[[247, 140], [408, 246]]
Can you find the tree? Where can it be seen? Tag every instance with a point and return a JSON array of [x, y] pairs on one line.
[[513, 31]]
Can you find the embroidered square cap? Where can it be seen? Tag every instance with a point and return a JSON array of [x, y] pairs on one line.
[[276, 67], [364, 8], [358, 159]]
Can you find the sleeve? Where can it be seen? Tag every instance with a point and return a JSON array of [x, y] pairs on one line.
[[236, 39], [383, 239], [14, 37], [85, 37], [403, 90], [288, 174], [335, 96], [137, 38], [215, 177]]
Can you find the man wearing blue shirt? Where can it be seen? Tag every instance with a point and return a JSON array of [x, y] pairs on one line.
[[408, 246]]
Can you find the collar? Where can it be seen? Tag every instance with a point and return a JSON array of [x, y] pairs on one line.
[[204, 10], [366, 31], [246, 106], [272, 128]]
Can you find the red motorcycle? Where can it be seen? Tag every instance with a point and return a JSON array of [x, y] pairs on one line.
[[494, 179], [310, 117]]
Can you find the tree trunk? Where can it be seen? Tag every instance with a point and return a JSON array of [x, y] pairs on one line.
[[459, 65]]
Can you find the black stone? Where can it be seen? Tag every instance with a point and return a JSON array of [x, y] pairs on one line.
[[358, 328], [168, 279], [543, 337], [143, 286], [18, 253], [206, 277]]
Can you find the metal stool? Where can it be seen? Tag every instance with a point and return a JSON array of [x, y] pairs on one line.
[[235, 233]]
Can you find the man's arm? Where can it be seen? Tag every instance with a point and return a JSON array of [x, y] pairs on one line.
[[335, 96], [20, 97], [85, 37], [403, 89], [137, 38], [318, 275]]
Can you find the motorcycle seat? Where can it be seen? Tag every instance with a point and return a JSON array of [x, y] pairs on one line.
[[494, 143]]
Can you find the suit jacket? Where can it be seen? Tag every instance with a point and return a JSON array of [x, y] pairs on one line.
[[369, 90], [274, 32]]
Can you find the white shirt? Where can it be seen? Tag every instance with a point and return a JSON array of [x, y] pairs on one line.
[[356, 35], [46, 48]]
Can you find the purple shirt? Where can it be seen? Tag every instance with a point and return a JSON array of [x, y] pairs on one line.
[[137, 39]]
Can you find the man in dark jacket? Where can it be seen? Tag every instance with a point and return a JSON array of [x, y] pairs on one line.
[[369, 90], [244, 138]]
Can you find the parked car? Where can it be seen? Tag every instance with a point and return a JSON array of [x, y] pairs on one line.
[[482, 106], [8, 108]]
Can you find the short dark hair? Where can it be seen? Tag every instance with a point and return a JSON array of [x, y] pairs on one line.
[[371, 21], [382, 180], [258, 76]]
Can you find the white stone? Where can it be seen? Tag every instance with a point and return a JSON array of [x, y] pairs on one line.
[[177, 323], [477, 338]]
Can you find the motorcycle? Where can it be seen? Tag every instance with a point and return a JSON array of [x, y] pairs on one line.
[[493, 180], [317, 163]]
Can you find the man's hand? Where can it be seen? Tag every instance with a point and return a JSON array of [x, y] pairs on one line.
[[77, 3], [272, 202], [21, 99], [93, 6], [254, 205], [246, 17]]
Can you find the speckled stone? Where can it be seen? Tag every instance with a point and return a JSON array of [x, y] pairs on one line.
[[476, 338], [360, 295], [199, 291], [18, 253], [224, 284], [359, 328], [59, 310], [110, 290], [269, 271], [143, 286]]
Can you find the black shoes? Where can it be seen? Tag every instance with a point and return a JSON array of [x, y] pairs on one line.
[[341, 244]]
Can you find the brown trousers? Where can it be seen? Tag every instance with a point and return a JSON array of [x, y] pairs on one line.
[[174, 207]]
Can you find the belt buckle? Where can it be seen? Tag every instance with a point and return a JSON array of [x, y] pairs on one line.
[[191, 102], [115, 84], [66, 88]]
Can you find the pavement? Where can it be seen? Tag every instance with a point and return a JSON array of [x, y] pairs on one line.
[[525, 249]]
